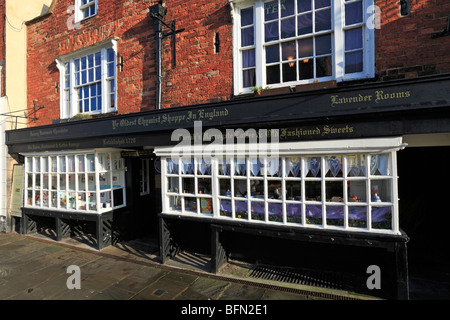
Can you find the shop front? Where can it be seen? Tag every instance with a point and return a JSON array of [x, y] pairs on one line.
[[328, 175]]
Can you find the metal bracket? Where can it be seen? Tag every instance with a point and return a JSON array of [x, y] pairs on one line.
[[36, 108], [445, 32], [158, 12]]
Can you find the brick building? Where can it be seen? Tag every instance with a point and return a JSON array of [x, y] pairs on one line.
[[355, 92]]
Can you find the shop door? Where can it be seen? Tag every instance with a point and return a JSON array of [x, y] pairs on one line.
[[144, 197]]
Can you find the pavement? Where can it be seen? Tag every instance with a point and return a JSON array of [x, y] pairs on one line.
[[37, 268]]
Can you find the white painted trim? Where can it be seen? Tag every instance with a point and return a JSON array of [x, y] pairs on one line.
[[370, 145]]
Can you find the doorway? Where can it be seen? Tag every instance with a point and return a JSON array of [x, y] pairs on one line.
[[424, 216], [143, 195]]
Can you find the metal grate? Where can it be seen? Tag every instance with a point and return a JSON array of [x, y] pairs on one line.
[[298, 276]]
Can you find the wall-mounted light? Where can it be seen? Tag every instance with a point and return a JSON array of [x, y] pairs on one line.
[[291, 62]]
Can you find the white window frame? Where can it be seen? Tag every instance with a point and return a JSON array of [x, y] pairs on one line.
[[69, 108], [92, 189], [80, 8], [338, 54], [174, 196]]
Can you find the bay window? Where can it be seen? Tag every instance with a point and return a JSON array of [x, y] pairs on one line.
[[290, 42], [349, 185], [88, 81], [85, 181]]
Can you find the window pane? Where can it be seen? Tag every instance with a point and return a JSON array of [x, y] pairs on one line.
[[190, 204], [323, 44], [272, 54], [288, 28], [381, 190], [356, 191], [241, 209], [247, 37], [275, 212], [274, 190], [90, 60], [354, 62], [206, 205], [333, 166], [313, 190], [248, 58], [288, 50], [271, 31], [98, 73], [294, 213], [357, 217], [353, 13], [225, 208], [334, 191], [353, 39], [381, 217], [257, 189], [111, 70], [313, 214], [321, 3], [313, 167], [271, 10], [306, 69], [240, 188], [258, 210], [304, 24], [225, 187], [303, 5], [173, 184], [247, 17], [273, 74], [323, 20], [335, 215], [289, 71], [287, 8], [356, 165], [110, 55], [249, 78], [293, 167], [324, 67], [380, 165], [305, 48], [204, 186], [188, 185]]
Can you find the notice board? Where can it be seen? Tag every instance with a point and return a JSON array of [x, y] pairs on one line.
[[17, 191]]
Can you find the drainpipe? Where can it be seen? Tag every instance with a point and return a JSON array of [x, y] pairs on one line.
[[157, 12]]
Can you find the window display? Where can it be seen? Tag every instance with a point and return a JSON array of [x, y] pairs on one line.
[[90, 181], [332, 191]]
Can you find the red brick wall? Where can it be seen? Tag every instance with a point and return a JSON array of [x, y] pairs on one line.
[[200, 75], [404, 47]]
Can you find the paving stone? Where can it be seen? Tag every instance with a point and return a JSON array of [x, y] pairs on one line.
[[167, 287], [204, 289], [236, 291]]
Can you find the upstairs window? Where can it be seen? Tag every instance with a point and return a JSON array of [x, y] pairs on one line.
[[291, 42], [89, 82], [85, 9]]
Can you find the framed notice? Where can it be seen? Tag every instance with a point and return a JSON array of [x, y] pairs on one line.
[[17, 191]]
